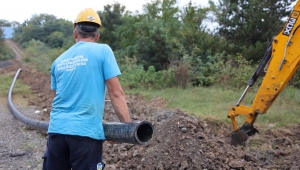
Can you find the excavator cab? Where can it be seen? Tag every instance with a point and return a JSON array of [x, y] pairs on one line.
[[279, 63]]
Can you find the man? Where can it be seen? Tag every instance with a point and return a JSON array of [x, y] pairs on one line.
[[79, 78]]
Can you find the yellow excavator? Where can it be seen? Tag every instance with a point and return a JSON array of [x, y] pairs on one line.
[[279, 63]]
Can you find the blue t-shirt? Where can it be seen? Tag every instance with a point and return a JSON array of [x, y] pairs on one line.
[[79, 76]]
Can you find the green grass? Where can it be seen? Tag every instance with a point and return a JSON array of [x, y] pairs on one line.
[[213, 103], [6, 82], [6, 52]]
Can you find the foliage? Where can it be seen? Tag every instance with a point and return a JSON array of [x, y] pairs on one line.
[[45, 28], [40, 55], [198, 43], [246, 23], [181, 71], [295, 80], [55, 39], [112, 18], [5, 52], [4, 23], [233, 71], [157, 35], [5, 84], [134, 76], [1, 35], [168, 46], [220, 69], [202, 70]]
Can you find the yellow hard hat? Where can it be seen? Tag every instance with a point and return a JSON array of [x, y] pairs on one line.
[[88, 15]]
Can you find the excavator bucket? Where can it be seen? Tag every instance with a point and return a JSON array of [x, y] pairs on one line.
[[238, 138]]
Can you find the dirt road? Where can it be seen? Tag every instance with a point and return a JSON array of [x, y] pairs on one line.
[[181, 141], [20, 146], [15, 48]]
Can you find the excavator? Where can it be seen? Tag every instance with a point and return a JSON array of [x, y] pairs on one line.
[[278, 65]]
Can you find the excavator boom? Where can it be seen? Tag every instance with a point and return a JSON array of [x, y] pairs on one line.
[[280, 63]]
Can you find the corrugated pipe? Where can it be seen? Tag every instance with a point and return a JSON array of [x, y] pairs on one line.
[[139, 132]]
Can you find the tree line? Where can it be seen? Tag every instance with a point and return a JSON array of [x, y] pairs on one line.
[[167, 37]]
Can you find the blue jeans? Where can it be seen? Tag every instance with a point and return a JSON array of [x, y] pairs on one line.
[[66, 152]]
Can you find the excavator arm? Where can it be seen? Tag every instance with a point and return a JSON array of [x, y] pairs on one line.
[[279, 63]]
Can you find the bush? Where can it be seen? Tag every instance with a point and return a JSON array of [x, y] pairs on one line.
[[181, 71], [134, 76], [6, 52], [40, 55], [233, 71], [295, 80], [201, 72], [220, 69]]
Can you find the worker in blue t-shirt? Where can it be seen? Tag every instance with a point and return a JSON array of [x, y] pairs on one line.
[[79, 78]]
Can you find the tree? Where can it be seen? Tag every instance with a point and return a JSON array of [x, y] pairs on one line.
[[157, 37], [4, 23], [250, 24], [112, 18], [1, 35], [55, 39], [44, 28], [195, 37]]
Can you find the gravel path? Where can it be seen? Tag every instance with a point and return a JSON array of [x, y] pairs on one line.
[[21, 148]]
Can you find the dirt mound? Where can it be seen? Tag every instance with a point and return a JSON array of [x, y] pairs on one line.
[[38, 82], [181, 141]]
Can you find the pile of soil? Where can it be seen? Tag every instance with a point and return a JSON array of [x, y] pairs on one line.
[[181, 140]]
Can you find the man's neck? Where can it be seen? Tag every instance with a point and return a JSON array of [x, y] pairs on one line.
[[85, 40]]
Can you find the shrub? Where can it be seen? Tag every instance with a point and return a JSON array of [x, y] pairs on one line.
[[40, 55], [6, 52], [295, 80], [233, 71], [135, 76]]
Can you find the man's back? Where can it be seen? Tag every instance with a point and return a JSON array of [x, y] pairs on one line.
[[79, 76]]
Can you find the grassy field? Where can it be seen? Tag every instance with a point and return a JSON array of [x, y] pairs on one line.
[[5, 84], [19, 91], [214, 102]]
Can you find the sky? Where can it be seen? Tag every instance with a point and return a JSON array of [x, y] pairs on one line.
[[21, 10]]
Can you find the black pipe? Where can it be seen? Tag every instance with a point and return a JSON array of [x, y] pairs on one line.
[[139, 132], [40, 125]]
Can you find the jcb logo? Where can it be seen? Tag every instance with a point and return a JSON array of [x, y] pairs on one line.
[[290, 24]]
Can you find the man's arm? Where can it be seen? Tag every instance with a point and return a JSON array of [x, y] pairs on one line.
[[117, 98]]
